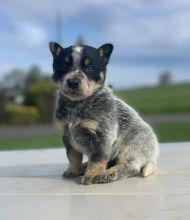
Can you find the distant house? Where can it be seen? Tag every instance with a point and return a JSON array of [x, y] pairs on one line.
[[12, 95]]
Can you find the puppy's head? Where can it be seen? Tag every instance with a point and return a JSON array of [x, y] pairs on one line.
[[79, 71]]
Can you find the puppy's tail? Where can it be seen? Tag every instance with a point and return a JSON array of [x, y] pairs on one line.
[[121, 171]]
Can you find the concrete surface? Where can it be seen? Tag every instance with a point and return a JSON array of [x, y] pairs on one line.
[[31, 188]]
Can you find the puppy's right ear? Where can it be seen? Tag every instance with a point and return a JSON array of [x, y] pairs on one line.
[[55, 48], [105, 52]]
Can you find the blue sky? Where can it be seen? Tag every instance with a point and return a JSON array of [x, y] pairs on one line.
[[149, 36]]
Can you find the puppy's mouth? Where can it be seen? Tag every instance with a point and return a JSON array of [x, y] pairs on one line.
[[73, 94], [82, 91]]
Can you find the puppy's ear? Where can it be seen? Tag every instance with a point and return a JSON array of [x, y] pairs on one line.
[[105, 51], [55, 48]]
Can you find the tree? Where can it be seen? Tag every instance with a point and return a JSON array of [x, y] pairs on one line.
[[34, 75], [15, 80], [80, 41], [165, 78], [3, 104], [41, 95]]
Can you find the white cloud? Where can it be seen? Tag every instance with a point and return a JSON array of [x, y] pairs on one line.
[[155, 33], [160, 25], [139, 29], [30, 35], [23, 36], [6, 66], [121, 75]]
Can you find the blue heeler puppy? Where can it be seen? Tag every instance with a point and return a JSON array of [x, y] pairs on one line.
[[96, 123]]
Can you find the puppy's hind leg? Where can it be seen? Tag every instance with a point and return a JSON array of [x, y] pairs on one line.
[[148, 169], [85, 164], [117, 172]]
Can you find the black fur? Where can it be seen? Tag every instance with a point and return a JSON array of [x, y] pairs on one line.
[[96, 65]]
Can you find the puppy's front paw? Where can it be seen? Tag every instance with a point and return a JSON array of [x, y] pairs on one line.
[[69, 174], [105, 178], [86, 180]]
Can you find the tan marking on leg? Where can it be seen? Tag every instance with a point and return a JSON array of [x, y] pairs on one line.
[[90, 124], [110, 175], [75, 164], [114, 169], [94, 169], [75, 160]]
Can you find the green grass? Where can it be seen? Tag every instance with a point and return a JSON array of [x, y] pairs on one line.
[[47, 141], [173, 132], [167, 99], [165, 133]]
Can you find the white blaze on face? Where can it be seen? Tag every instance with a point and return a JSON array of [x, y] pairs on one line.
[[77, 55], [77, 49]]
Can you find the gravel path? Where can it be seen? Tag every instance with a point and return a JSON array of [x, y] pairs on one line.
[[167, 118], [12, 132]]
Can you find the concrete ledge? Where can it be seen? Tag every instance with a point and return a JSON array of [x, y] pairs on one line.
[[31, 187]]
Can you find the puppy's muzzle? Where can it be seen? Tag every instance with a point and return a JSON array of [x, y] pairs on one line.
[[73, 83]]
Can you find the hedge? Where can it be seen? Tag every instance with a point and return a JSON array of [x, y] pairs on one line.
[[41, 95], [22, 115]]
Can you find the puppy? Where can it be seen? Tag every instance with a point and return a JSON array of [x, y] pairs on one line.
[[94, 122]]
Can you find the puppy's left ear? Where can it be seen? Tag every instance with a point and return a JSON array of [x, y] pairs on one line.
[[105, 51], [55, 48]]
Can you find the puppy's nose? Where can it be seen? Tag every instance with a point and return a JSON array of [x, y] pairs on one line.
[[73, 83]]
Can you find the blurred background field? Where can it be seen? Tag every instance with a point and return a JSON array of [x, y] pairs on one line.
[[29, 125], [149, 68], [165, 132], [159, 99]]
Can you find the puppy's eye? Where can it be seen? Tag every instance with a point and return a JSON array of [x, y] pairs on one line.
[[67, 61], [90, 67]]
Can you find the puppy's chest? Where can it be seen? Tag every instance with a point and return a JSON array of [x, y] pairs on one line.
[[74, 125], [72, 119]]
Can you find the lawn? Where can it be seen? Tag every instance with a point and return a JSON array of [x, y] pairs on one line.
[[46, 141], [165, 133], [151, 100], [173, 132]]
